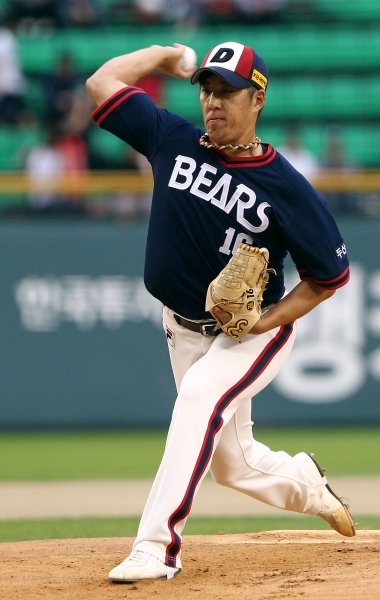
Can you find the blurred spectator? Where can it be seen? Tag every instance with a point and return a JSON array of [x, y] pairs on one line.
[[59, 88], [67, 104], [28, 12], [77, 13], [12, 82], [78, 119], [64, 13], [73, 150], [46, 165], [130, 206], [149, 11], [127, 205], [258, 10], [336, 159], [179, 12], [192, 12], [154, 85], [300, 157], [217, 10], [335, 154], [237, 11], [185, 13]]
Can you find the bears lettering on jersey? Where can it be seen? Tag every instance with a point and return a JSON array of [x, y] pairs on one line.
[[204, 183]]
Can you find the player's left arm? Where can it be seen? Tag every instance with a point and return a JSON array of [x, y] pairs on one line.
[[316, 247], [300, 301]]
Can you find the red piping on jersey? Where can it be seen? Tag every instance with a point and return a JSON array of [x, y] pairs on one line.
[[101, 106], [329, 284], [214, 425], [125, 93], [241, 162]]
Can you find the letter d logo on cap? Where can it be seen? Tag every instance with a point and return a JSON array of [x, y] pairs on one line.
[[225, 56], [222, 55]]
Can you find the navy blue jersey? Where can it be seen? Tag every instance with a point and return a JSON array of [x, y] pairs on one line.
[[206, 203]]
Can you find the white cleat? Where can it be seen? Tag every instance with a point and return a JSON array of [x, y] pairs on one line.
[[141, 565], [333, 510]]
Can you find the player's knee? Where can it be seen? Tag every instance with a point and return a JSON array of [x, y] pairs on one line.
[[223, 479], [221, 474]]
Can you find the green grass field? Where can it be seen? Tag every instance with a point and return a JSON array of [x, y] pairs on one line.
[[136, 454], [38, 529], [44, 456]]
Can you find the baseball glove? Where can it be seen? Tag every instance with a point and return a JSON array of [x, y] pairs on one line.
[[234, 298]]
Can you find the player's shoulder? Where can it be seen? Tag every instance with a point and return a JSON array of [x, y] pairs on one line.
[[291, 191], [285, 169], [289, 178]]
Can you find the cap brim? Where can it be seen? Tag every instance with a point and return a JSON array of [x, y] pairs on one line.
[[229, 76]]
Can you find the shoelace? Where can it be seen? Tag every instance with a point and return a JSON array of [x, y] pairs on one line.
[[138, 556]]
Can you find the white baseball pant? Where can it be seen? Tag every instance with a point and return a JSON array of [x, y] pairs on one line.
[[211, 427]]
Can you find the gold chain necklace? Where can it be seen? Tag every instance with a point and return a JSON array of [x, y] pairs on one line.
[[205, 141]]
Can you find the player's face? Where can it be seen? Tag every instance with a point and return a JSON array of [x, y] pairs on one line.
[[229, 114]]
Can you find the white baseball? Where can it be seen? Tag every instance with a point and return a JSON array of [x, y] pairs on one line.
[[189, 59]]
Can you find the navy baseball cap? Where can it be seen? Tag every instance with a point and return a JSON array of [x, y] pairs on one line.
[[237, 64]]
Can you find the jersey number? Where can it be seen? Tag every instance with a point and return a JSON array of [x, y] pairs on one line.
[[233, 241]]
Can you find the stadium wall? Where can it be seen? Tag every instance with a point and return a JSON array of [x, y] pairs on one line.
[[82, 344]]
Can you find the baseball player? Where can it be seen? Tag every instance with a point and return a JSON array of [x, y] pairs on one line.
[[213, 190]]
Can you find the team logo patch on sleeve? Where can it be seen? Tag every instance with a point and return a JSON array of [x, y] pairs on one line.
[[341, 252]]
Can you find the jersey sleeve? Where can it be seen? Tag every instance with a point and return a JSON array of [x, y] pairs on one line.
[[312, 237], [132, 116]]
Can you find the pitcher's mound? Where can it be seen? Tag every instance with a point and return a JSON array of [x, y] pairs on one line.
[[296, 565]]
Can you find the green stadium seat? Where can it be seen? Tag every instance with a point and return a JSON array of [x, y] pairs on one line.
[[363, 144], [14, 145], [327, 98], [349, 98], [288, 50], [296, 98], [90, 48], [108, 3], [35, 96], [107, 145], [182, 98], [361, 141], [309, 48], [361, 10]]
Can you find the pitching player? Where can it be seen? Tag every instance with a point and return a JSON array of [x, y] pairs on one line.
[[214, 189]]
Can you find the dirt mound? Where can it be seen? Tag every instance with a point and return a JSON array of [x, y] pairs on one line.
[[272, 565]]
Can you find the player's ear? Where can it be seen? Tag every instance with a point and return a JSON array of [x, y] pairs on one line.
[[259, 99]]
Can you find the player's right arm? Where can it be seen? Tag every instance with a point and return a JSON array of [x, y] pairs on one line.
[[127, 69]]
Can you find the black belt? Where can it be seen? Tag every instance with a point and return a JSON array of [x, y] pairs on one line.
[[206, 328]]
